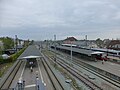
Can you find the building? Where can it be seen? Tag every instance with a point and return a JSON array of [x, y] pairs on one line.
[[69, 40], [106, 43], [82, 43], [114, 44], [92, 45]]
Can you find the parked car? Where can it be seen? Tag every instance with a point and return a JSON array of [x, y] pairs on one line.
[[5, 56]]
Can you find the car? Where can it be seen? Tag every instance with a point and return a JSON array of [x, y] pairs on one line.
[[5, 56]]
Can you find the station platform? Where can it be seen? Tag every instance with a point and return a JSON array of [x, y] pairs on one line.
[[114, 59], [107, 66], [107, 69]]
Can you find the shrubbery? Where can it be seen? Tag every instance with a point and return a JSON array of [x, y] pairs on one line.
[[16, 55], [1, 59], [12, 58]]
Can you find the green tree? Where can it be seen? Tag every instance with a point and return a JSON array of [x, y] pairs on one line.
[[7, 42], [99, 42], [0, 51]]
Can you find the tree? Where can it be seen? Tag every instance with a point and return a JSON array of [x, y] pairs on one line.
[[7, 42], [99, 42], [0, 51]]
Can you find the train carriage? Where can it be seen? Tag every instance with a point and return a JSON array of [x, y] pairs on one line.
[[81, 52]]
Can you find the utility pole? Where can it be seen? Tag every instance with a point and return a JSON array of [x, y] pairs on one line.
[[49, 45], [71, 53], [39, 47], [16, 42], [86, 39], [55, 46]]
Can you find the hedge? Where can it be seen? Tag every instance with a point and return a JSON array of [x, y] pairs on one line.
[[13, 57]]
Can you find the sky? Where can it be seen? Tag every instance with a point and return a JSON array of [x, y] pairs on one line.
[[42, 19]]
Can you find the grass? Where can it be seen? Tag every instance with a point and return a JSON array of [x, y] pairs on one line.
[[4, 68], [7, 63]]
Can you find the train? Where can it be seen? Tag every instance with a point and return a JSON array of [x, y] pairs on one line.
[[107, 51], [99, 54]]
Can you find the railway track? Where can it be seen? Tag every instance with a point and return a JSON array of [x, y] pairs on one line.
[[54, 80], [82, 65], [75, 73], [5, 84]]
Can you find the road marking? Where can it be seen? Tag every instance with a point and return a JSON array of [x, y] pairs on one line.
[[22, 72], [33, 85], [40, 73]]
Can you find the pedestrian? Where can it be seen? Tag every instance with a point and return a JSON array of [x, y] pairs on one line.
[[36, 74], [103, 61], [31, 69]]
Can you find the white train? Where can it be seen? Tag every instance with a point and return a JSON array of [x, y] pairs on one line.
[[107, 51]]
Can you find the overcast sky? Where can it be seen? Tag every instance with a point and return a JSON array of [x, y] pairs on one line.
[[41, 19]]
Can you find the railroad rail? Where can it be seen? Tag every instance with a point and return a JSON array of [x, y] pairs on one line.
[[54, 80], [90, 84], [87, 82], [85, 66], [6, 82], [89, 67]]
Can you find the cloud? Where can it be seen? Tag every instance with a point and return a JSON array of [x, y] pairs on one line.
[[62, 17]]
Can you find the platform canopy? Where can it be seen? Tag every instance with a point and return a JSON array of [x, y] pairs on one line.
[[30, 52], [81, 51], [97, 53], [28, 57]]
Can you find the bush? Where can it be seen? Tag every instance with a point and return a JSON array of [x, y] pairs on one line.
[[1, 60], [12, 58], [16, 55]]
